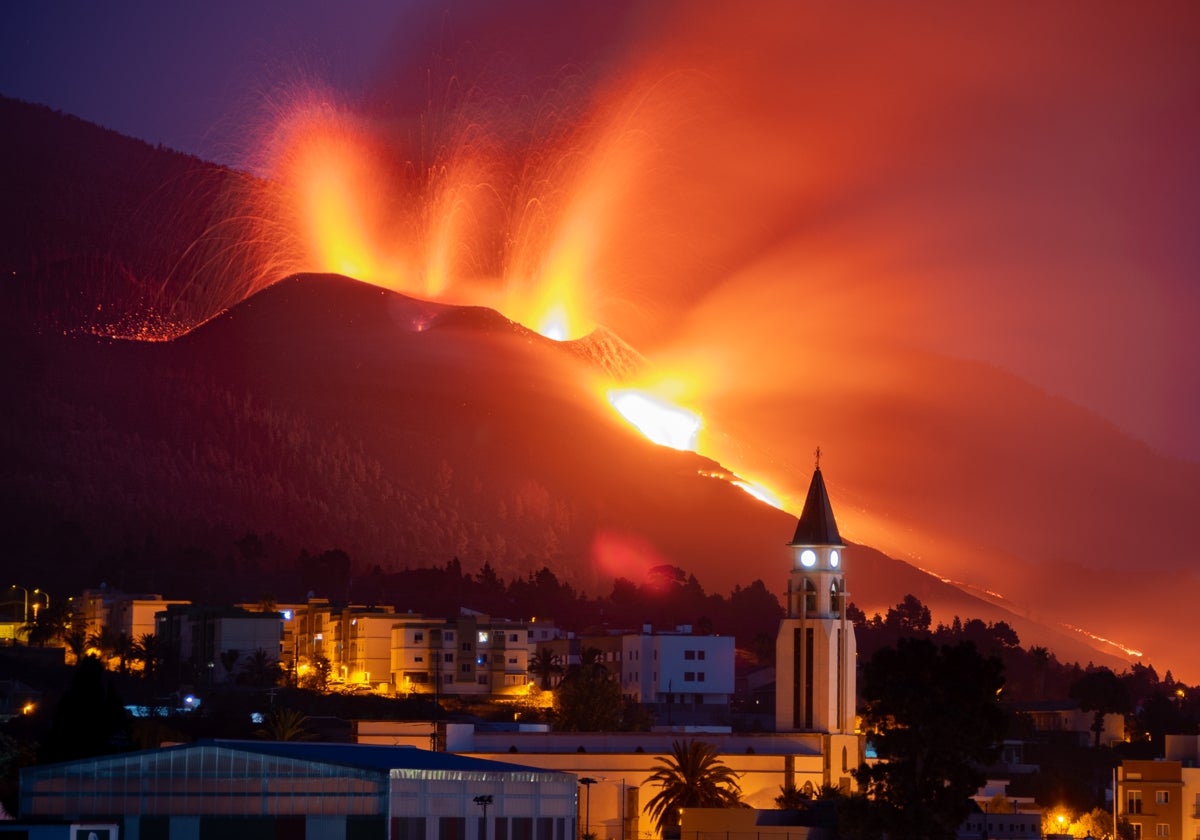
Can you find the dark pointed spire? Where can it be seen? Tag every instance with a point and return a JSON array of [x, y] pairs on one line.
[[817, 525]]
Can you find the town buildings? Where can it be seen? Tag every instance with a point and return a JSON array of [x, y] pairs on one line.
[[390, 785], [1161, 798]]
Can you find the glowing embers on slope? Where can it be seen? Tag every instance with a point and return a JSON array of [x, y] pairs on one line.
[[657, 419], [756, 490], [1123, 648]]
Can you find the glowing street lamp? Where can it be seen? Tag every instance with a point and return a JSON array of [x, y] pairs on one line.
[[35, 605]]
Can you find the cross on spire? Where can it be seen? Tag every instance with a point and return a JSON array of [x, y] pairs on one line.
[[818, 454]]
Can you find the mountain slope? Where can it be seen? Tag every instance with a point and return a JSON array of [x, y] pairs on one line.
[[325, 413]]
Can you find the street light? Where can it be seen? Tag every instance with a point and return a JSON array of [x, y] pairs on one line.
[[587, 783], [483, 802], [35, 604]]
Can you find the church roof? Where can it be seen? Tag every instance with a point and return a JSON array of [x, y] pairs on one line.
[[817, 525]]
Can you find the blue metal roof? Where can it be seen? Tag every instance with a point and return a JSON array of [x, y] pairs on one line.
[[371, 756]]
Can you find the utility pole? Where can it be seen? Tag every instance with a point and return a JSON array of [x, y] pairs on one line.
[[587, 783]]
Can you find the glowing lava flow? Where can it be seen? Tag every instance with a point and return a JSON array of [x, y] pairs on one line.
[[657, 419]]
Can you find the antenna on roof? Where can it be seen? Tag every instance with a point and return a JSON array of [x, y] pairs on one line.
[[818, 454]]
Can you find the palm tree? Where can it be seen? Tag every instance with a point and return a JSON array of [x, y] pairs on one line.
[[76, 641], [147, 649], [124, 651], [262, 669], [792, 798], [544, 664], [106, 641], [693, 777], [286, 725]]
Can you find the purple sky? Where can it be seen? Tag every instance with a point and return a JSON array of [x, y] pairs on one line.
[[1054, 150]]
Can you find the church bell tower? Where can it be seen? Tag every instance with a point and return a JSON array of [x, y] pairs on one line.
[[815, 650]]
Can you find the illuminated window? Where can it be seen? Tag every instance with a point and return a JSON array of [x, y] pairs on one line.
[[483, 637]]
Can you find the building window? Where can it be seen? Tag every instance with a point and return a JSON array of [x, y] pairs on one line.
[[1162, 797], [512, 660], [689, 676], [699, 654], [699, 676], [418, 659], [408, 828], [418, 637], [466, 646], [1133, 802], [449, 635], [1162, 830], [689, 654], [465, 668], [483, 637], [1137, 830], [512, 637], [452, 828], [522, 828]]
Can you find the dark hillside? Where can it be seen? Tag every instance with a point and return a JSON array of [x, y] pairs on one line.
[[108, 234]]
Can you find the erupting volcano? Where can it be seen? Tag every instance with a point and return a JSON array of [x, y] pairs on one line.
[[948, 249]]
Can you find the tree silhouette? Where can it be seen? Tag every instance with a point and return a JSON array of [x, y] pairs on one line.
[[229, 659], [148, 649], [792, 798], [106, 641], [1102, 692], [934, 718], [588, 699], [544, 665], [90, 718], [286, 725], [317, 676], [692, 777], [261, 669]]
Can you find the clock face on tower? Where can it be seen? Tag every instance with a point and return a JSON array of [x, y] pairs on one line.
[[808, 558], [834, 558]]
